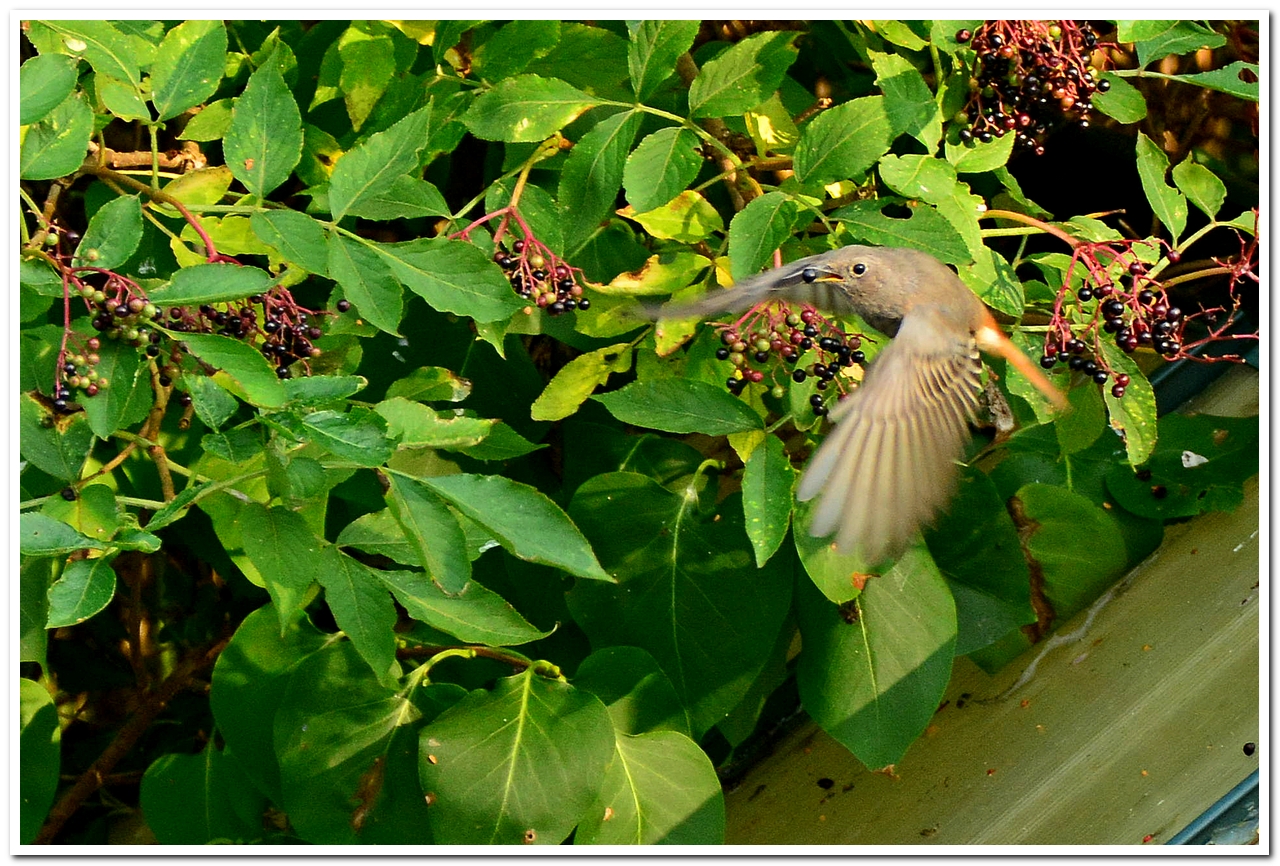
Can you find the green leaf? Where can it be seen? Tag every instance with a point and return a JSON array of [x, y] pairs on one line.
[[502, 443], [923, 229], [368, 65], [429, 384], [577, 380], [374, 165], [1137, 31], [653, 50], [85, 588], [111, 53], [977, 157], [686, 589], [44, 82], [61, 447], [249, 680], [1123, 101], [363, 610], [188, 66], [210, 283], [1075, 545], [202, 798], [56, 145], [93, 512], [681, 406], [1200, 464], [286, 554], [1080, 427], [512, 48], [1229, 79], [472, 615], [378, 533], [899, 33], [1201, 186], [844, 141], [687, 218], [39, 751], [525, 108], [976, 546], [113, 234], [358, 436], [519, 764], [1169, 205], [766, 497], [639, 696], [909, 104], [523, 521], [414, 425], [453, 276], [213, 405], [873, 684], [33, 610], [40, 535], [407, 198], [1134, 415], [993, 279], [838, 573], [366, 281], [1182, 37], [129, 398], [432, 532], [759, 229], [347, 748], [296, 237], [247, 373], [264, 141], [660, 789], [210, 123], [917, 176], [592, 175], [743, 75]]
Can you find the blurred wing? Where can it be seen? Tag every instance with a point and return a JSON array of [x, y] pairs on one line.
[[888, 466], [786, 283]]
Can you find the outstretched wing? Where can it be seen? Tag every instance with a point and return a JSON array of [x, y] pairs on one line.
[[808, 280], [888, 466]]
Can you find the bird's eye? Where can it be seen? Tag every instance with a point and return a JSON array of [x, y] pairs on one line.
[[809, 274], [859, 269]]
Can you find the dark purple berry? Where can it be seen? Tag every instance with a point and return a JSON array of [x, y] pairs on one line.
[[799, 376], [69, 494], [964, 36], [1117, 390], [343, 305], [584, 304], [1047, 361], [1085, 294]]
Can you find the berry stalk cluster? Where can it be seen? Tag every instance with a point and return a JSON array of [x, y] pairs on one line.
[[772, 336], [121, 311], [1132, 309], [536, 273], [1029, 78]]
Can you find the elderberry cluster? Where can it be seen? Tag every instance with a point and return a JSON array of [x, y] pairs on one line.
[[288, 331], [1030, 76], [787, 335], [1134, 313], [539, 275]]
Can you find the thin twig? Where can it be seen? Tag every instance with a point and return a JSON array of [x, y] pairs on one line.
[[97, 774]]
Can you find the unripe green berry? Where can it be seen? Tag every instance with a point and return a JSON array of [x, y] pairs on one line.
[[92, 255], [51, 239]]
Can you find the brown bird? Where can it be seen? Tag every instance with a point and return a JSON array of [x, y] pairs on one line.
[[889, 465]]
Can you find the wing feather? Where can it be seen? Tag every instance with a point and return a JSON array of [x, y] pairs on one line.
[[888, 466]]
